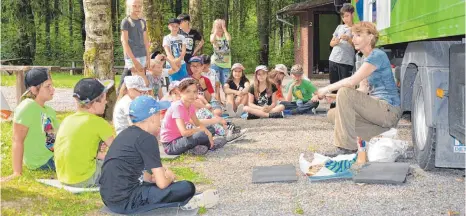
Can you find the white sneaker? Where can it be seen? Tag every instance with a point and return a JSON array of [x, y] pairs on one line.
[[230, 111], [208, 199], [231, 136], [239, 110]]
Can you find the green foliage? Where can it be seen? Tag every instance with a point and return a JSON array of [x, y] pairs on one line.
[[60, 80]]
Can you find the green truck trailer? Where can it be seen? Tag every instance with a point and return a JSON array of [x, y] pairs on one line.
[[425, 42]]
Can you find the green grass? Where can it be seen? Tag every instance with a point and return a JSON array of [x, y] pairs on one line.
[[25, 196], [60, 80]]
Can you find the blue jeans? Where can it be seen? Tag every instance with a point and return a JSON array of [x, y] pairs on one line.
[[222, 73], [50, 165]]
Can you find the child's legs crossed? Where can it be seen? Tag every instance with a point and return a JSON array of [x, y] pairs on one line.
[[183, 144], [255, 111], [277, 108]]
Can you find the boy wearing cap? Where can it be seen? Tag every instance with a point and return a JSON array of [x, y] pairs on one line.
[[205, 86], [133, 178], [175, 49], [136, 87], [78, 156], [192, 36], [300, 98], [34, 125]]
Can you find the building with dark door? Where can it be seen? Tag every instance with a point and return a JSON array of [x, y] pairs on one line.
[[315, 22]]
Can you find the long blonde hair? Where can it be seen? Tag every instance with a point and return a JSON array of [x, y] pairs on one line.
[[267, 83], [129, 7]]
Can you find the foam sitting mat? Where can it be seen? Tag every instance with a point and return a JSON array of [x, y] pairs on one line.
[[382, 173], [164, 155], [173, 211], [278, 173], [57, 184]]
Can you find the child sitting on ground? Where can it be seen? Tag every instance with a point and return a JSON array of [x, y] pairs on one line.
[[78, 156], [276, 76], [34, 125], [135, 87], [181, 129], [300, 99], [124, 190], [236, 91], [263, 97]]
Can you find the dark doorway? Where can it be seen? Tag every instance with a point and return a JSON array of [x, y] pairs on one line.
[[325, 24]]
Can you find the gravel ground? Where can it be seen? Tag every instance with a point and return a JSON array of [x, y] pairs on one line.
[[280, 141]]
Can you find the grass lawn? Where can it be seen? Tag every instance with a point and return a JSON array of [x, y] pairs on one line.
[[60, 80], [24, 196]]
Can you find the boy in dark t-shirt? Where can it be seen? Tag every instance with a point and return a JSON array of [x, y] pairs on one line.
[[133, 179], [191, 36]]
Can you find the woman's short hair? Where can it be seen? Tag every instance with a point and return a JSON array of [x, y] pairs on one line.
[[368, 28], [347, 7]]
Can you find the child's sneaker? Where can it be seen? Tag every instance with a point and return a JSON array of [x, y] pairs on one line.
[[276, 115], [235, 128], [232, 136], [230, 111], [198, 150], [314, 111], [239, 110], [208, 199]]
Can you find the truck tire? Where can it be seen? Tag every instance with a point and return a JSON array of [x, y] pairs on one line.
[[424, 137]]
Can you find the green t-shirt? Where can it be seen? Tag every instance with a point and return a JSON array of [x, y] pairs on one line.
[[77, 145], [42, 124], [302, 92]]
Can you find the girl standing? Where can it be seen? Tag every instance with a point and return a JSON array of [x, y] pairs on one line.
[[236, 91], [135, 41], [263, 97], [221, 59]]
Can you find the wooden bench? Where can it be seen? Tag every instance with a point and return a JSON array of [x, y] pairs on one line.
[[74, 66], [19, 70]]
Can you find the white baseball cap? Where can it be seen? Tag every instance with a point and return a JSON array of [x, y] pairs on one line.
[[136, 82], [282, 68]]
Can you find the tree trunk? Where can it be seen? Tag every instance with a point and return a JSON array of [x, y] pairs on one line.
[[48, 20], [221, 10], [56, 20], [153, 13], [83, 23], [195, 8], [178, 7], [70, 20], [226, 11], [242, 14], [98, 55], [115, 21], [27, 32], [263, 27]]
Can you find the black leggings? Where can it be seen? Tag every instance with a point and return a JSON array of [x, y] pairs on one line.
[[338, 72], [148, 197]]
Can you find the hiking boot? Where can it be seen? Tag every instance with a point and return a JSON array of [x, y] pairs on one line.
[[239, 110], [198, 150], [232, 136], [208, 199], [230, 111], [335, 151], [276, 115]]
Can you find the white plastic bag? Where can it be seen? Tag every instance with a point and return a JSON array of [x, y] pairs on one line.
[[385, 149]]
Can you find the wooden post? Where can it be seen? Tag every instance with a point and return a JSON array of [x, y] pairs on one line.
[[20, 85], [73, 65]]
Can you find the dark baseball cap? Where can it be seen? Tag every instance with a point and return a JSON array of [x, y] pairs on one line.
[[195, 59], [173, 20], [184, 17], [35, 77], [88, 89]]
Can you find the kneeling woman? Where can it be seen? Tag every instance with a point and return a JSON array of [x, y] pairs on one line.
[[361, 113], [263, 97], [181, 130]]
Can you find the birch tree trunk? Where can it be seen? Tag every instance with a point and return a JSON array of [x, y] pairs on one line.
[[98, 54], [196, 15], [152, 10]]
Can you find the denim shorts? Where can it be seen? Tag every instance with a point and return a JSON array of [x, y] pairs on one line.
[[129, 64]]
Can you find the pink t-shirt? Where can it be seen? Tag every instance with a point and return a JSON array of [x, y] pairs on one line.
[[169, 131]]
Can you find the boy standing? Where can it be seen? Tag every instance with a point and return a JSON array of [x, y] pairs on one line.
[[192, 36], [300, 99], [78, 157], [175, 49], [134, 180]]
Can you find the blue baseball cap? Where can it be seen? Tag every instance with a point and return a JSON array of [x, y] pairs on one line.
[[144, 107], [195, 59]]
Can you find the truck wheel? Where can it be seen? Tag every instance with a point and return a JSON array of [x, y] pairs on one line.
[[423, 136]]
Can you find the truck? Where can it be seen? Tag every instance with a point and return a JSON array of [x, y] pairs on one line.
[[424, 40]]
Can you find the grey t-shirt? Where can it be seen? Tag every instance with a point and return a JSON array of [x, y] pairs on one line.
[[342, 53], [136, 29]]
